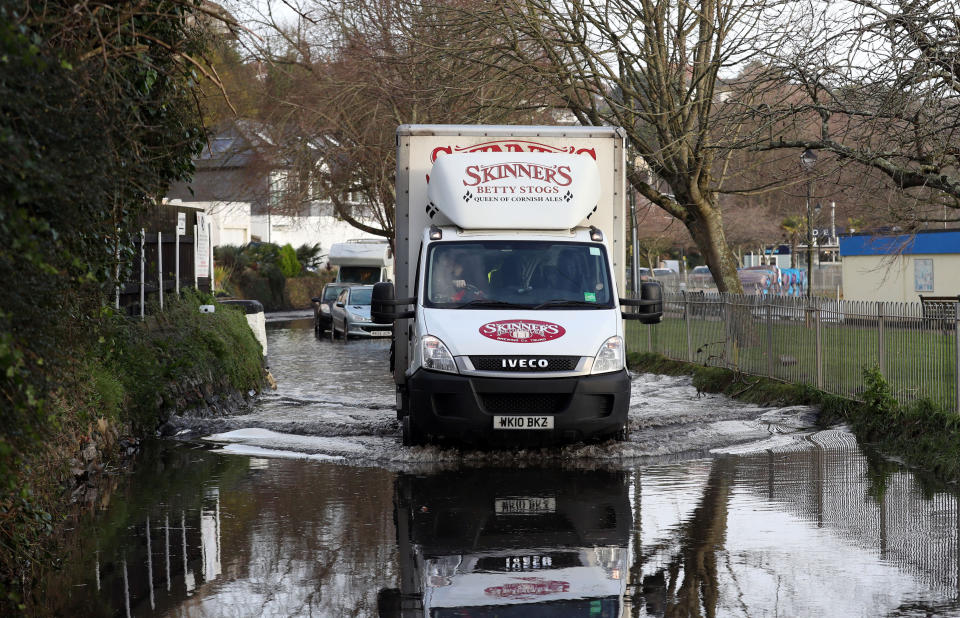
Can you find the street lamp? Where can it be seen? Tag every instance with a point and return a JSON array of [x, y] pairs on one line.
[[808, 159]]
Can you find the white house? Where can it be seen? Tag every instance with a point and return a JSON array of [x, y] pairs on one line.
[[238, 185]]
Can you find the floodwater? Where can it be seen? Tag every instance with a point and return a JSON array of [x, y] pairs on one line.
[[307, 505]]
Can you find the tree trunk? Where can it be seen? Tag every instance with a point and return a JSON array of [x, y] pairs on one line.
[[706, 228]]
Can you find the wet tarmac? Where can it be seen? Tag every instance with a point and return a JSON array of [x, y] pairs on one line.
[[307, 505]]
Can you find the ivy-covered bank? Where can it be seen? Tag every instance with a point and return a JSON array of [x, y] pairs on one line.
[[123, 388], [921, 434], [98, 115]]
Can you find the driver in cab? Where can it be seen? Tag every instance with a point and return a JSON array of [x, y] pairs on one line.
[[450, 283]]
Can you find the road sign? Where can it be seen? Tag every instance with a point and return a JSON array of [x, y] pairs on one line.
[[202, 258]]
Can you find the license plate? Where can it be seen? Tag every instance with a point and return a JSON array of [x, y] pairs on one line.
[[523, 422], [525, 505], [380, 333]]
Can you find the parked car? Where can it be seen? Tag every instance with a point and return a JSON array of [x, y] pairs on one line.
[[658, 273], [322, 305], [700, 278], [350, 314]]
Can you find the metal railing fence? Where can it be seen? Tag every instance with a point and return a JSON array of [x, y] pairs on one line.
[[823, 342]]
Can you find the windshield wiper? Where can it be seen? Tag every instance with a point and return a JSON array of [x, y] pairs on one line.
[[559, 302], [483, 302]]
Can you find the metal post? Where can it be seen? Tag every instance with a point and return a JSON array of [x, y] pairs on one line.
[[807, 160], [160, 266], [635, 259], [176, 259], [833, 228], [686, 317], [143, 266], [769, 317], [809, 245], [649, 338], [210, 248], [116, 272], [728, 331], [196, 280], [956, 356], [880, 347], [816, 315]]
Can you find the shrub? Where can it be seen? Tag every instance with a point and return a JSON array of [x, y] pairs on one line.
[[287, 261]]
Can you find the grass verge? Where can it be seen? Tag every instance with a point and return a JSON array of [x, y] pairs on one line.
[[921, 433]]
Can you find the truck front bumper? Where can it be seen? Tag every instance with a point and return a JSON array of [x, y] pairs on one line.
[[449, 406]]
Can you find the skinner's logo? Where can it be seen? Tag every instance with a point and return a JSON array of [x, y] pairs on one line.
[[552, 174], [522, 331]]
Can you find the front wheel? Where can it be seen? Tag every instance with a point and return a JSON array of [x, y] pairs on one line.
[[623, 435]]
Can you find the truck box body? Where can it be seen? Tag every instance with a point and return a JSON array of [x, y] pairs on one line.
[[418, 147], [512, 241]]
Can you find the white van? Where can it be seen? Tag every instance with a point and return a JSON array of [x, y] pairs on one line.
[[515, 331]]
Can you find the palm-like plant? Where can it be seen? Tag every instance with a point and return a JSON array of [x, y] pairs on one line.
[[793, 227]]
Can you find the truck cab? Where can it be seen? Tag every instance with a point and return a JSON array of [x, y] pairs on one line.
[[511, 327], [516, 333]]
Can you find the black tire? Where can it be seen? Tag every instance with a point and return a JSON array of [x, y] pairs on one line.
[[411, 435], [623, 435]]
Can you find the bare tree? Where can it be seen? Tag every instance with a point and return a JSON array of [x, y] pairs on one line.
[[876, 88], [341, 75], [650, 66]]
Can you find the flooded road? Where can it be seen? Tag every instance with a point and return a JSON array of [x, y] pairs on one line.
[[307, 505]]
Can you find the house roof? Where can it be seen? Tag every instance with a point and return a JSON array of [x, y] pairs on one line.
[[233, 144], [925, 242]]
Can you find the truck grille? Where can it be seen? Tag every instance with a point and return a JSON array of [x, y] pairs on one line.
[[524, 403], [523, 363]]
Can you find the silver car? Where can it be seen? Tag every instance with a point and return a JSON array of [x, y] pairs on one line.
[[350, 314]]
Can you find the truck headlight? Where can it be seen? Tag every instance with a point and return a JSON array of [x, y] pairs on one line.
[[610, 356], [436, 356]]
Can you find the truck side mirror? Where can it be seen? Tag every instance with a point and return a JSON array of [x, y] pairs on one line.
[[650, 305], [383, 303]]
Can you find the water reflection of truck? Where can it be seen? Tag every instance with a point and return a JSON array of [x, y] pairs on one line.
[[510, 248], [505, 543]]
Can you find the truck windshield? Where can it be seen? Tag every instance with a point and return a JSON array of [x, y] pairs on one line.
[[528, 274], [359, 274]]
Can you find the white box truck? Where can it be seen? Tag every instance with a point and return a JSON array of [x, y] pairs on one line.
[[509, 260], [362, 261]]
